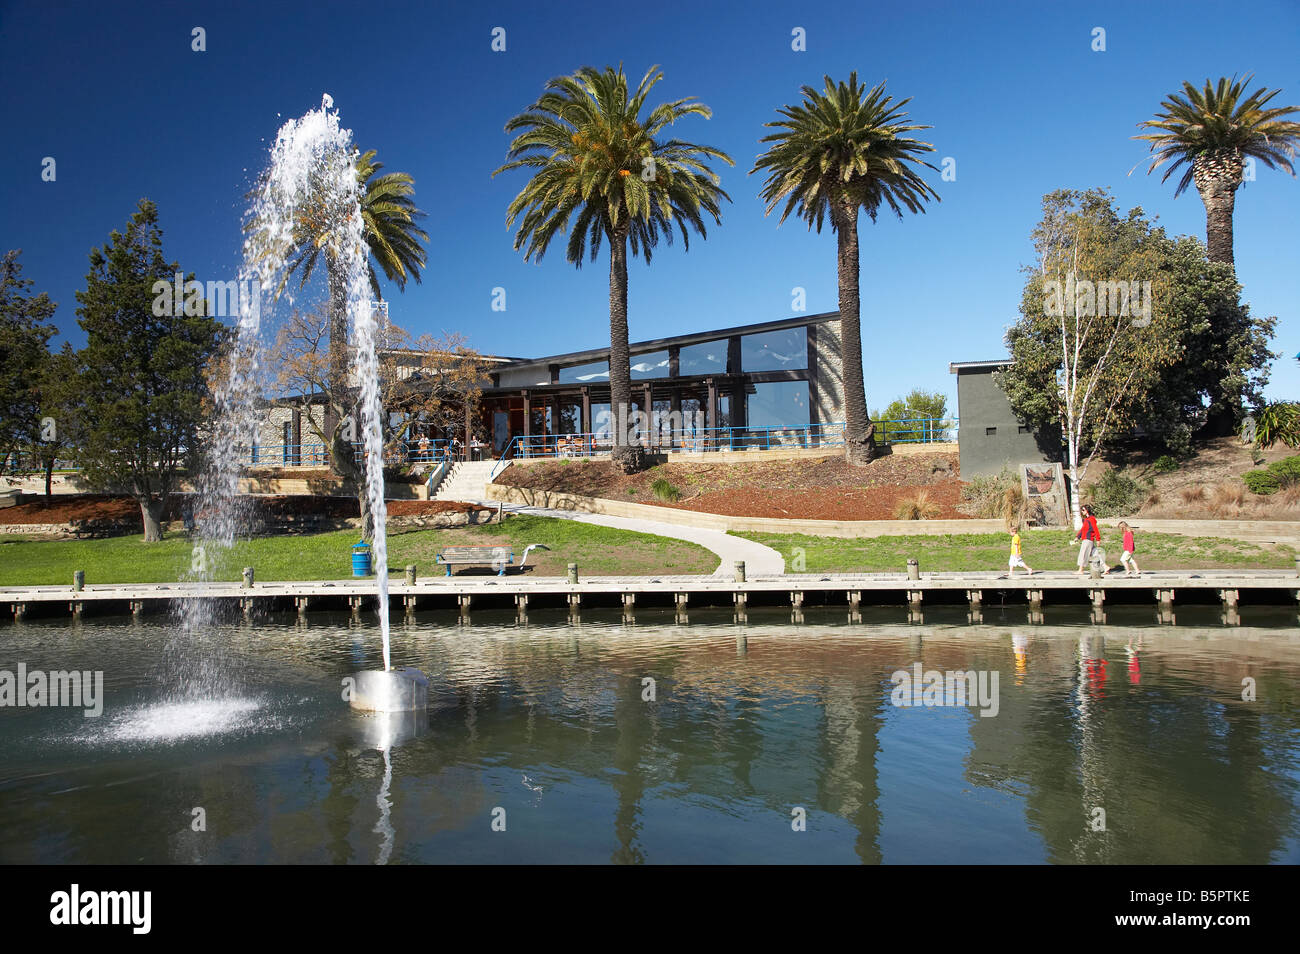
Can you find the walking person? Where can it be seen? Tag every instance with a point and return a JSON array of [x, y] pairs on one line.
[[1017, 558], [1089, 537], [1129, 548]]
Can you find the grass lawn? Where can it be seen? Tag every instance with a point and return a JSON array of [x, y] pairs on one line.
[[1043, 550], [598, 551]]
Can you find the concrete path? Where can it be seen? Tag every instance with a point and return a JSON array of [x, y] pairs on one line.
[[759, 559]]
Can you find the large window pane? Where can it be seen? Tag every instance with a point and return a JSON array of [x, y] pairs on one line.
[[775, 350], [707, 358], [779, 404], [654, 365], [585, 373]]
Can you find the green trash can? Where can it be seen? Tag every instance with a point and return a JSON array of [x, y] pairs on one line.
[[361, 558]]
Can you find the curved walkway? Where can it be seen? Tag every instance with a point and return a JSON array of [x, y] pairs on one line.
[[759, 560]]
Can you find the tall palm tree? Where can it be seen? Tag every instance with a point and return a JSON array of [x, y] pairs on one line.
[[841, 151], [393, 240], [1212, 131], [599, 163]]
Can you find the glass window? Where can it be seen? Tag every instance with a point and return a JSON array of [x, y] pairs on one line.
[[585, 373], [775, 350], [779, 404], [707, 358], [653, 365]]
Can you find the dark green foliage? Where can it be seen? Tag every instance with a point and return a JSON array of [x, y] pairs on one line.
[[24, 336], [1279, 421], [1262, 482], [1287, 470], [1164, 464], [141, 386], [1118, 494]]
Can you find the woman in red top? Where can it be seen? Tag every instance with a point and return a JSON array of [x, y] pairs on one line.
[[1089, 536]]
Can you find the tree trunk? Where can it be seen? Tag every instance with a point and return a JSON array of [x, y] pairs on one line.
[[49, 476], [1217, 177], [859, 436], [620, 371], [338, 319], [151, 512]]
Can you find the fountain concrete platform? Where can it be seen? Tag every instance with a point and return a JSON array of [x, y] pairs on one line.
[[394, 690]]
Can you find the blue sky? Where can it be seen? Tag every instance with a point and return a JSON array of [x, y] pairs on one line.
[[1014, 92]]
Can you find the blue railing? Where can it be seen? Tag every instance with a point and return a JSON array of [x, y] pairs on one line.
[[317, 455], [710, 439]]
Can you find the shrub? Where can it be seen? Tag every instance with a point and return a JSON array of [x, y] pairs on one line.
[[1193, 494], [986, 495], [1261, 482], [1275, 422], [1164, 464], [1117, 494], [1287, 470], [918, 506], [664, 490]]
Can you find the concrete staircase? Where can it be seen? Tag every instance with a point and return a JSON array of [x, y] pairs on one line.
[[466, 481]]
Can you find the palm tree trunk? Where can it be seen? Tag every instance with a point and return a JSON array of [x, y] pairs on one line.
[[859, 439], [620, 370], [338, 319], [1219, 196]]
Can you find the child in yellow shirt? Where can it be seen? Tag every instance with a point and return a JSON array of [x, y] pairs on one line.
[[1016, 559]]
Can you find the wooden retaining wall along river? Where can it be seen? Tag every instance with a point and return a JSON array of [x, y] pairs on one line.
[[459, 594]]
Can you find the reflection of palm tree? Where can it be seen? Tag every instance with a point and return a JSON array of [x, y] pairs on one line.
[[850, 741], [630, 715]]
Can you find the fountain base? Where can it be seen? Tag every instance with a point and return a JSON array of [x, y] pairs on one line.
[[397, 690]]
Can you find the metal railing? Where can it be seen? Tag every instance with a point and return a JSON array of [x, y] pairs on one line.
[[317, 455], [709, 439]]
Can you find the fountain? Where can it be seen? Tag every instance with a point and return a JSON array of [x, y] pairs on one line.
[[311, 173]]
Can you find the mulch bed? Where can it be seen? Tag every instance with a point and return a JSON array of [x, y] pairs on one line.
[[67, 508], [826, 488]]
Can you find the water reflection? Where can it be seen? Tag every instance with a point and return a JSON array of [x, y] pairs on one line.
[[747, 722]]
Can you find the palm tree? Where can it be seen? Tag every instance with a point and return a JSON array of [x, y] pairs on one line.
[[843, 150], [388, 215], [600, 164], [1212, 131]]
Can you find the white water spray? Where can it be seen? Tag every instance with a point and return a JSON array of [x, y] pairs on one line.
[[310, 188]]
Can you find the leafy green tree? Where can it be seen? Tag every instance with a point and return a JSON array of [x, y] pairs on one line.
[[24, 337], [603, 172], [1212, 131], [1084, 360], [841, 151], [1224, 356], [141, 383], [916, 406], [60, 411]]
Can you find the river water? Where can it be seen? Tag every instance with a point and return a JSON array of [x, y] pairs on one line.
[[654, 741]]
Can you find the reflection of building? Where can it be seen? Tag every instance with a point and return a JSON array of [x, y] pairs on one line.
[[990, 436], [784, 373]]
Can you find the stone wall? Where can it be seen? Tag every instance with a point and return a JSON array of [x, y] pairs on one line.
[[826, 372]]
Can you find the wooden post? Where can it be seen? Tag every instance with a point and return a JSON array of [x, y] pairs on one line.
[[573, 573], [740, 571], [248, 578], [78, 580], [410, 574]]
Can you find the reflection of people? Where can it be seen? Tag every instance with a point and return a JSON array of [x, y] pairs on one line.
[[1020, 646]]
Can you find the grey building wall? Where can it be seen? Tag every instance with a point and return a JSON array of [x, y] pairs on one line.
[[989, 435], [826, 373]]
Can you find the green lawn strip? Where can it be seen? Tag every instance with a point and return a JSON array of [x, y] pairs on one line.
[[597, 550], [1043, 550]]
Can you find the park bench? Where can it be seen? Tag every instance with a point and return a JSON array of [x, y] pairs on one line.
[[498, 557]]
